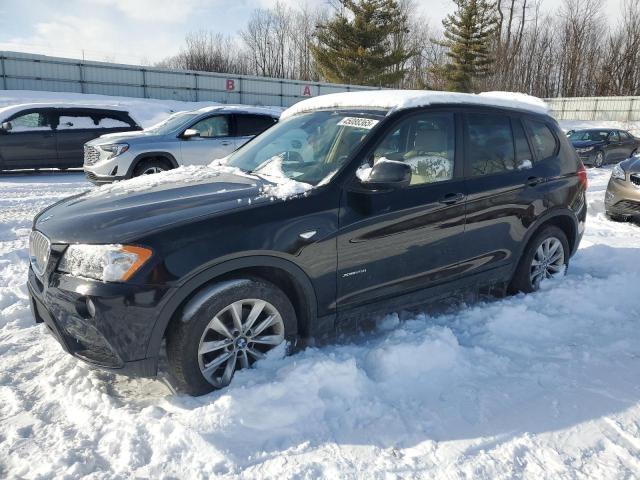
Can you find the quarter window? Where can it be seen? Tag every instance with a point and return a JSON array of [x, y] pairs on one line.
[[490, 146], [544, 141], [426, 142], [217, 126]]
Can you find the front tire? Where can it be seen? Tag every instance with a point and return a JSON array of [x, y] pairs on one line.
[[546, 254], [232, 325], [150, 166]]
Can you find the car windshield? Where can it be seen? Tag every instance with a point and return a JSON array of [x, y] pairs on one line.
[[308, 147], [589, 135], [172, 123]]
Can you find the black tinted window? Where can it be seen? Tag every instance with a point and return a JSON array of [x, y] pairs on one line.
[[544, 142], [614, 137], [524, 158], [490, 146], [253, 124]]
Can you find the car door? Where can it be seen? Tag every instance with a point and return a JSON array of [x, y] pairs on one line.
[[248, 126], [615, 148], [213, 141], [628, 144], [401, 241], [505, 189], [74, 128], [31, 141]]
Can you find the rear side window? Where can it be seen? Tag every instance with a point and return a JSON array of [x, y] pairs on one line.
[[249, 125], [614, 137], [624, 135], [544, 141], [524, 157], [112, 121], [75, 121], [490, 147]]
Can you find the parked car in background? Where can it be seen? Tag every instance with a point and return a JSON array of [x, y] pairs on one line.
[[599, 146], [622, 198], [186, 138], [353, 204], [52, 136]]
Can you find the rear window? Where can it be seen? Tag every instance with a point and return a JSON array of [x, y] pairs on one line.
[[249, 125], [544, 141], [490, 147]]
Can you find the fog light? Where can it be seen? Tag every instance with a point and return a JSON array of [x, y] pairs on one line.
[[91, 308]]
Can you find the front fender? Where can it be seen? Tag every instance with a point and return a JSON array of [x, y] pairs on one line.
[[197, 281]]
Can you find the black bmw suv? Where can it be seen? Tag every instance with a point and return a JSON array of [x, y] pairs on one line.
[[353, 204]]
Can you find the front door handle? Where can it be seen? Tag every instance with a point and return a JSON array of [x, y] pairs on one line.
[[451, 198]]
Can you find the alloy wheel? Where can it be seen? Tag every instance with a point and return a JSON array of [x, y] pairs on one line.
[[152, 170], [599, 159], [236, 337], [547, 261]]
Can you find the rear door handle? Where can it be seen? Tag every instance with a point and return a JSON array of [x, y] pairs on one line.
[[451, 198], [533, 181]]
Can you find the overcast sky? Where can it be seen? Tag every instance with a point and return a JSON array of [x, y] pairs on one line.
[[134, 31]]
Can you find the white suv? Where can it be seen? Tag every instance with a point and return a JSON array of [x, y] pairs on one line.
[[185, 138]]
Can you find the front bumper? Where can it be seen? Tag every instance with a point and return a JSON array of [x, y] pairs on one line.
[[116, 337], [109, 170], [622, 198]]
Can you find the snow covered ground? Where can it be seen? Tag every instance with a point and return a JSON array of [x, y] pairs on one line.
[[545, 385]]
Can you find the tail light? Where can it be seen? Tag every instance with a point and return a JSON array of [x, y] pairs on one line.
[[582, 176]]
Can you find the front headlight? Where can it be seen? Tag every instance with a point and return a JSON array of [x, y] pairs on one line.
[[618, 173], [115, 149], [108, 263], [584, 150]]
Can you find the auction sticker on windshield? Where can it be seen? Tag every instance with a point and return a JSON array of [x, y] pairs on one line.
[[358, 122]]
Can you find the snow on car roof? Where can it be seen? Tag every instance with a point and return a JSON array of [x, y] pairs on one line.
[[272, 111], [393, 100], [6, 112]]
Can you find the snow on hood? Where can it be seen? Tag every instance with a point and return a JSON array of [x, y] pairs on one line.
[[278, 187], [184, 174], [402, 99]]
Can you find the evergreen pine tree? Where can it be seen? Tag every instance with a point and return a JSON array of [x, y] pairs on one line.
[[469, 33], [355, 45]]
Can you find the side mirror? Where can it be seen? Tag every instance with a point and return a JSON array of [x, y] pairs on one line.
[[190, 133], [6, 126], [388, 174]]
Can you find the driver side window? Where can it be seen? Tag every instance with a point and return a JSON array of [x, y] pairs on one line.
[[217, 126], [31, 122], [426, 142]]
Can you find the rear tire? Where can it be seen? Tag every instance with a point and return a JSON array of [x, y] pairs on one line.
[[599, 160], [151, 166], [223, 335], [533, 260]]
